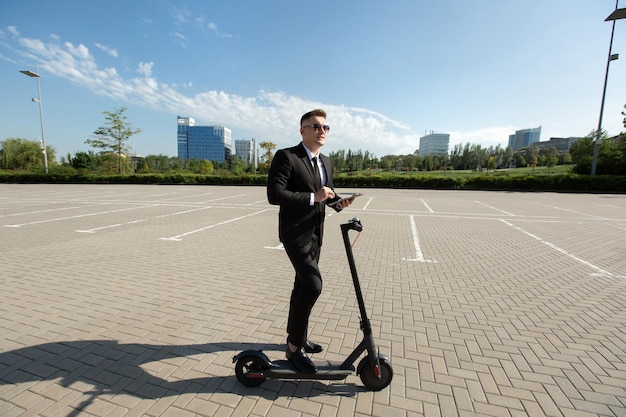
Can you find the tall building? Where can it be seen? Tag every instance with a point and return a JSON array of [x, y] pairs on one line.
[[560, 144], [212, 143], [434, 144], [184, 123], [523, 138], [246, 151]]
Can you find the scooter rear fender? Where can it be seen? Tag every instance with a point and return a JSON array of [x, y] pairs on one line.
[[251, 352]]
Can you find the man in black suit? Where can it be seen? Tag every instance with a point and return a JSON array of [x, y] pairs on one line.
[[301, 181]]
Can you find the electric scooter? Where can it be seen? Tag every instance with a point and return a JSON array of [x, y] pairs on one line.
[[253, 367]]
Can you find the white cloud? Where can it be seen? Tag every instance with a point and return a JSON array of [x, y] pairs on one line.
[[181, 39], [213, 27], [110, 51], [491, 136], [181, 15], [271, 115], [6, 58], [145, 68], [80, 51]]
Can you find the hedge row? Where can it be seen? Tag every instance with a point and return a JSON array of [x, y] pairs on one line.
[[570, 182], [175, 178]]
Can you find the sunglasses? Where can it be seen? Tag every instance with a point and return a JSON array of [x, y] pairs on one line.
[[318, 126]]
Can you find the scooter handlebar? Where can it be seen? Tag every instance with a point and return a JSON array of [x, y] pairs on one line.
[[354, 224]]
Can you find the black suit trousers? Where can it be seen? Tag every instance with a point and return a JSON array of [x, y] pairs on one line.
[[306, 290]]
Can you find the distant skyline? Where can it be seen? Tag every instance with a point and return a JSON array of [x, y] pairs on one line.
[[387, 73]]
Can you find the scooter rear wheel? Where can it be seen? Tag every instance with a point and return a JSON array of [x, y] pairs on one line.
[[369, 378], [247, 366]]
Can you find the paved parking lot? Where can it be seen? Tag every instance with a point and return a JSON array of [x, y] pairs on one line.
[[131, 300]]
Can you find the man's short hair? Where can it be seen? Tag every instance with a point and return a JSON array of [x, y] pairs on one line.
[[312, 113]]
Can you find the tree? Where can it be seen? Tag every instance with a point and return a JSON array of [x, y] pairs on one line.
[[112, 136], [611, 154], [85, 161], [508, 158], [160, 163], [565, 159], [237, 165], [548, 157], [357, 161], [385, 163], [532, 156], [455, 156], [338, 159], [16, 153], [582, 153], [155, 163], [491, 163], [266, 158]]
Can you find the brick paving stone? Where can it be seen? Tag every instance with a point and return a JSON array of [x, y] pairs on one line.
[[132, 300]]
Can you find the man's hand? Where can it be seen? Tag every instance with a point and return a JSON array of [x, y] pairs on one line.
[[346, 202], [323, 194]]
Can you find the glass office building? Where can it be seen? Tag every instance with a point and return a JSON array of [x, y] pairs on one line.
[[246, 151], [560, 144], [212, 143], [434, 144], [184, 123], [523, 138]]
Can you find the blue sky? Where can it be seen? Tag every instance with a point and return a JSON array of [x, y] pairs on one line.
[[386, 72]]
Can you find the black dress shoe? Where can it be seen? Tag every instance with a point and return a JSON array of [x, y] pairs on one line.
[[301, 361], [312, 347]]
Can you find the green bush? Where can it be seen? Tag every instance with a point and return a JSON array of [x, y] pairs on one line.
[[565, 182]]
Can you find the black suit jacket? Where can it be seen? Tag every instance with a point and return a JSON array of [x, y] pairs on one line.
[[290, 184]]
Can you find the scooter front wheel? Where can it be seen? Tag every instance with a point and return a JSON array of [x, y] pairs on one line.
[[369, 377], [249, 371]]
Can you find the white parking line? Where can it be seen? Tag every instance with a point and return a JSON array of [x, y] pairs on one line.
[[78, 216], [493, 208], [94, 230], [177, 198], [426, 205], [574, 211], [179, 237], [223, 198], [48, 210], [599, 271], [419, 256]]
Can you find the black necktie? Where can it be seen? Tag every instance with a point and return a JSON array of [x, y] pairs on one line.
[[316, 173]]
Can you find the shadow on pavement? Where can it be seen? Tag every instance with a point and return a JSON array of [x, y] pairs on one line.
[[114, 368]]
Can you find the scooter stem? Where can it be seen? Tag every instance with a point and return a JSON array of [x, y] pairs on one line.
[[368, 342], [355, 224]]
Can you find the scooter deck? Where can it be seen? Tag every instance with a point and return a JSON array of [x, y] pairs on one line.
[[329, 370]]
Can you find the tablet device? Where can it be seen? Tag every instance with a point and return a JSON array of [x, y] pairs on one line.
[[352, 196]]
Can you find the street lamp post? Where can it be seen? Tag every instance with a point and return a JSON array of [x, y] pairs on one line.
[[616, 15], [38, 100]]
